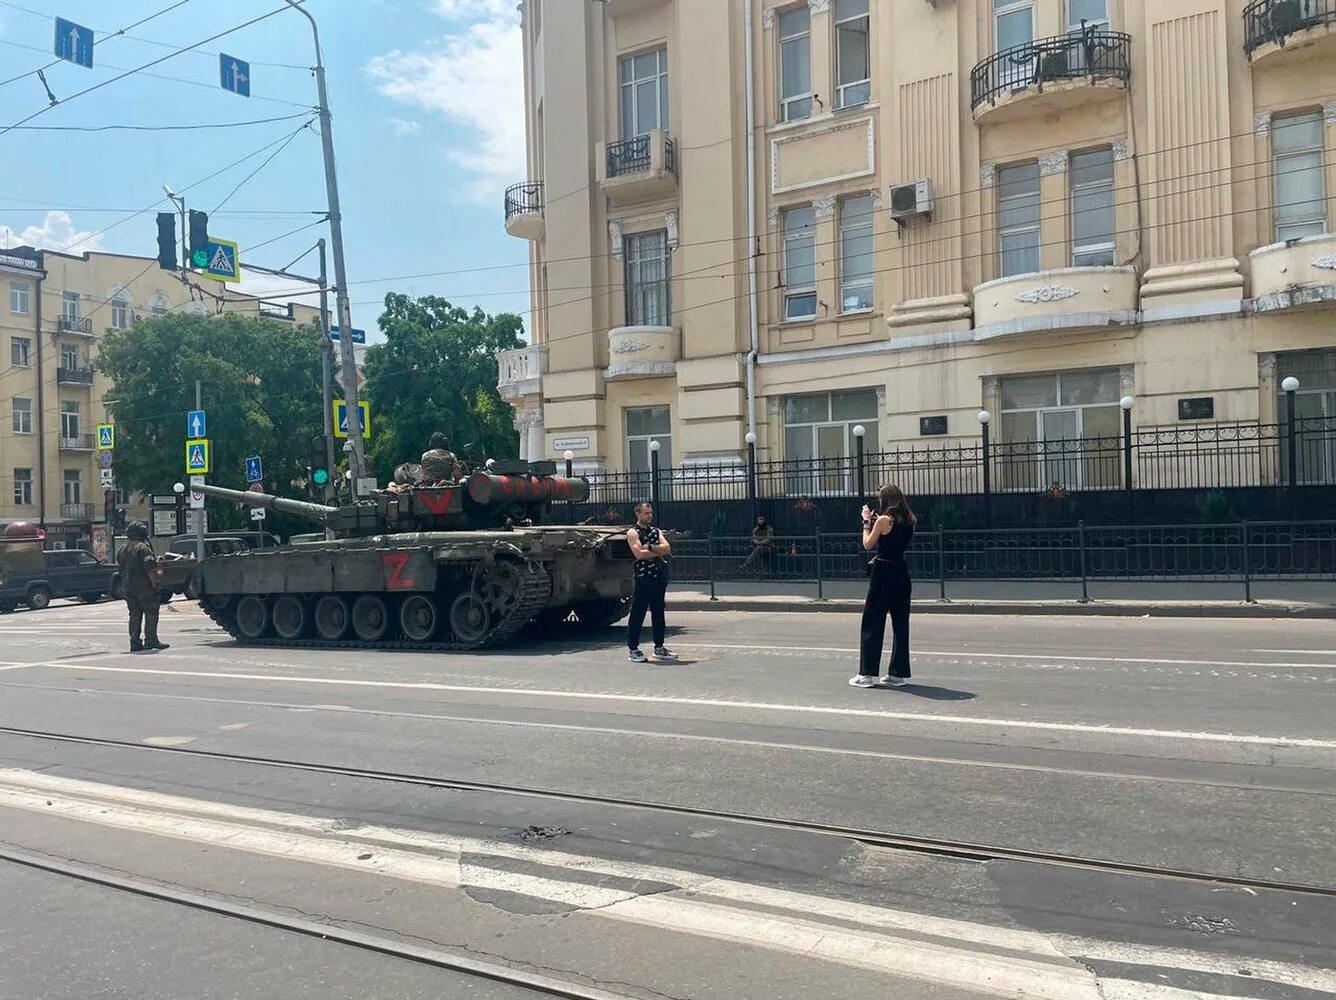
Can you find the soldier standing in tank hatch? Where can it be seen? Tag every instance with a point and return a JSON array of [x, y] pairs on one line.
[[438, 461], [139, 581]]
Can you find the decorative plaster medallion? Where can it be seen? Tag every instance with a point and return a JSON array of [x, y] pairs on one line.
[[1262, 123], [1047, 293], [670, 223], [772, 218], [824, 207], [1122, 149], [990, 385], [818, 6], [1266, 366], [615, 239], [1053, 163], [876, 199], [881, 397], [773, 404], [627, 346], [987, 175], [768, 18], [1127, 378], [1326, 262]]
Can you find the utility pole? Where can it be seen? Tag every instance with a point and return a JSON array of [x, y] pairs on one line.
[[199, 514], [347, 357], [326, 373]]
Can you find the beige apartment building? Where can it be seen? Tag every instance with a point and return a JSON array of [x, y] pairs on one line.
[[791, 218], [54, 311]]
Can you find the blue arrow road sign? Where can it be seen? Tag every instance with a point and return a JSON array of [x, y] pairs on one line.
[[359, 336], [196, 425], [254, 469], [74, 43], [234, 74]]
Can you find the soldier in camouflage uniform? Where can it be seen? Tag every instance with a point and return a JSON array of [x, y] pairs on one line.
[[438, 461], [139, 580]]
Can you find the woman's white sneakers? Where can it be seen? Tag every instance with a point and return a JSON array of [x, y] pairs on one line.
[[896, 682], [862, 681]]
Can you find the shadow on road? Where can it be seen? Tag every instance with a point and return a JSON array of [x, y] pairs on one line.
[[933, 693]]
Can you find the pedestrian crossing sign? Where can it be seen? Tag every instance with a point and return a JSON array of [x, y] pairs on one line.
[[341, 418], [106, 437], [197, 457], [224, 260]]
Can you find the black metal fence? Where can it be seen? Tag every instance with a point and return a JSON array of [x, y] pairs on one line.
[[524, 198], [1200, 456], [1090, 53], [1243, 553], [628, 156], [1276, 20]]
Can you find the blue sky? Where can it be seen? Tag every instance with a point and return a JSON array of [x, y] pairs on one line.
[[427, 98]]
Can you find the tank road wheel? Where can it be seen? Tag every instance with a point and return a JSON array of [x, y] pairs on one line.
[[331, 617], [418, 618], [469, 620], [371, 618], [292, 620], [501, 588], [253, 618]]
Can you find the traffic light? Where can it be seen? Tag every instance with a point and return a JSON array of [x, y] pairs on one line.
[[319, 478], [199, 238], [167, 241]]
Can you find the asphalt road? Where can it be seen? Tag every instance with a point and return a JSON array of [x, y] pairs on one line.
[[1198, 745]]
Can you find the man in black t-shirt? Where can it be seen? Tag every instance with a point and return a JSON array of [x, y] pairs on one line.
[[651, 551]]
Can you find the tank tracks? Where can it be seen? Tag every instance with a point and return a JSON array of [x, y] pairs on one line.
[[534, 594]]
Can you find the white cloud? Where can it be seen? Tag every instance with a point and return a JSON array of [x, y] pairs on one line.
[[473, 77], [56, 232], [401, 127]]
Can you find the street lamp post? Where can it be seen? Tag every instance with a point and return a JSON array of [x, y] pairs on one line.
[[347, 357], [569, 456], [860, 479], [654, 473], [1291, 386], [1127, 402]]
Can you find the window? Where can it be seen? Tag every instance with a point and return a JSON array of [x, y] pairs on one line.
[[1296, 146], [1315, 415], [799, 263], [69, 419], [69, 357], [1013, 25], [1018, 219], [20, 298], [120, 311], [856, 254], [853, 71], [1092, 208], [73, 484], [22, 415], [158, 304], [795, 64], [819, 436], [1047, 425], [643, 425], [644, 84], [19, 352], [23, 487], [69, 305], [1087, 14], [647, 279]]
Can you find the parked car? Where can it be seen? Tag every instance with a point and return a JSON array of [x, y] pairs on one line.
[[220, 543], [63, 573]]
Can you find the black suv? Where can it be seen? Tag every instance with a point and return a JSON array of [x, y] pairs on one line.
[[67, 573]]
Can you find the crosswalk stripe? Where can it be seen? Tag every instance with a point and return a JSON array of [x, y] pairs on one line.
[[999, 961]]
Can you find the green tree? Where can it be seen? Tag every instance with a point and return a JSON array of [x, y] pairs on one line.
[[437, 371], [260, 383]]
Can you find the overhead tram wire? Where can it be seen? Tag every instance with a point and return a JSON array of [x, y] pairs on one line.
[[267, 160], [170, 55], [202, 126]]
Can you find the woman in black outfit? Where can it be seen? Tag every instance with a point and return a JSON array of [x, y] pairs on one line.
[[888, 533]]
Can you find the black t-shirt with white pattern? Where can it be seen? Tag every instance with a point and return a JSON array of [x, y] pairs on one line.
[[649, 568]]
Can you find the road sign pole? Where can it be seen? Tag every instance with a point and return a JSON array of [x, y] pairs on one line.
[[348, 360], [199, 514]]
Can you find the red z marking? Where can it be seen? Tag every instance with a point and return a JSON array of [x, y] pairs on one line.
[[436, 501], [394, 564]]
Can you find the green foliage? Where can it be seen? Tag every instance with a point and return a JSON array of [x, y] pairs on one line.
[[261, 387], [437, 371]]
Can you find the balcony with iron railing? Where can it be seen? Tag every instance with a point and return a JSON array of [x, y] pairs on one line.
[[1051, 74], [80, 325], [1278, 29], [638, 168], [520, 372], [77, 511], [74, 376], [76, 442], [524, 210]]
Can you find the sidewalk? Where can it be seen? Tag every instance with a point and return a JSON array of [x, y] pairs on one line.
[[1301, 599]]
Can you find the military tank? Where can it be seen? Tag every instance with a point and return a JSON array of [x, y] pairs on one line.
[[460, 566]]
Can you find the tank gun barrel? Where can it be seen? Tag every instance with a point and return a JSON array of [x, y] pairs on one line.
[[489, 488], [301, 508]]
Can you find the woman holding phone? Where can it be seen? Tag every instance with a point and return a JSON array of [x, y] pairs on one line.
[[887, 532]]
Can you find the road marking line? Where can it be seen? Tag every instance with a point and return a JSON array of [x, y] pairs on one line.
[[686, 737], [966, 655], [92, 799], [961, 720]]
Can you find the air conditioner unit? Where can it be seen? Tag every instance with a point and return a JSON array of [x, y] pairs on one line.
[[911, 200]]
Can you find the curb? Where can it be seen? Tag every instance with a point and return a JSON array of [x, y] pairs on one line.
[[1106, 609]]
